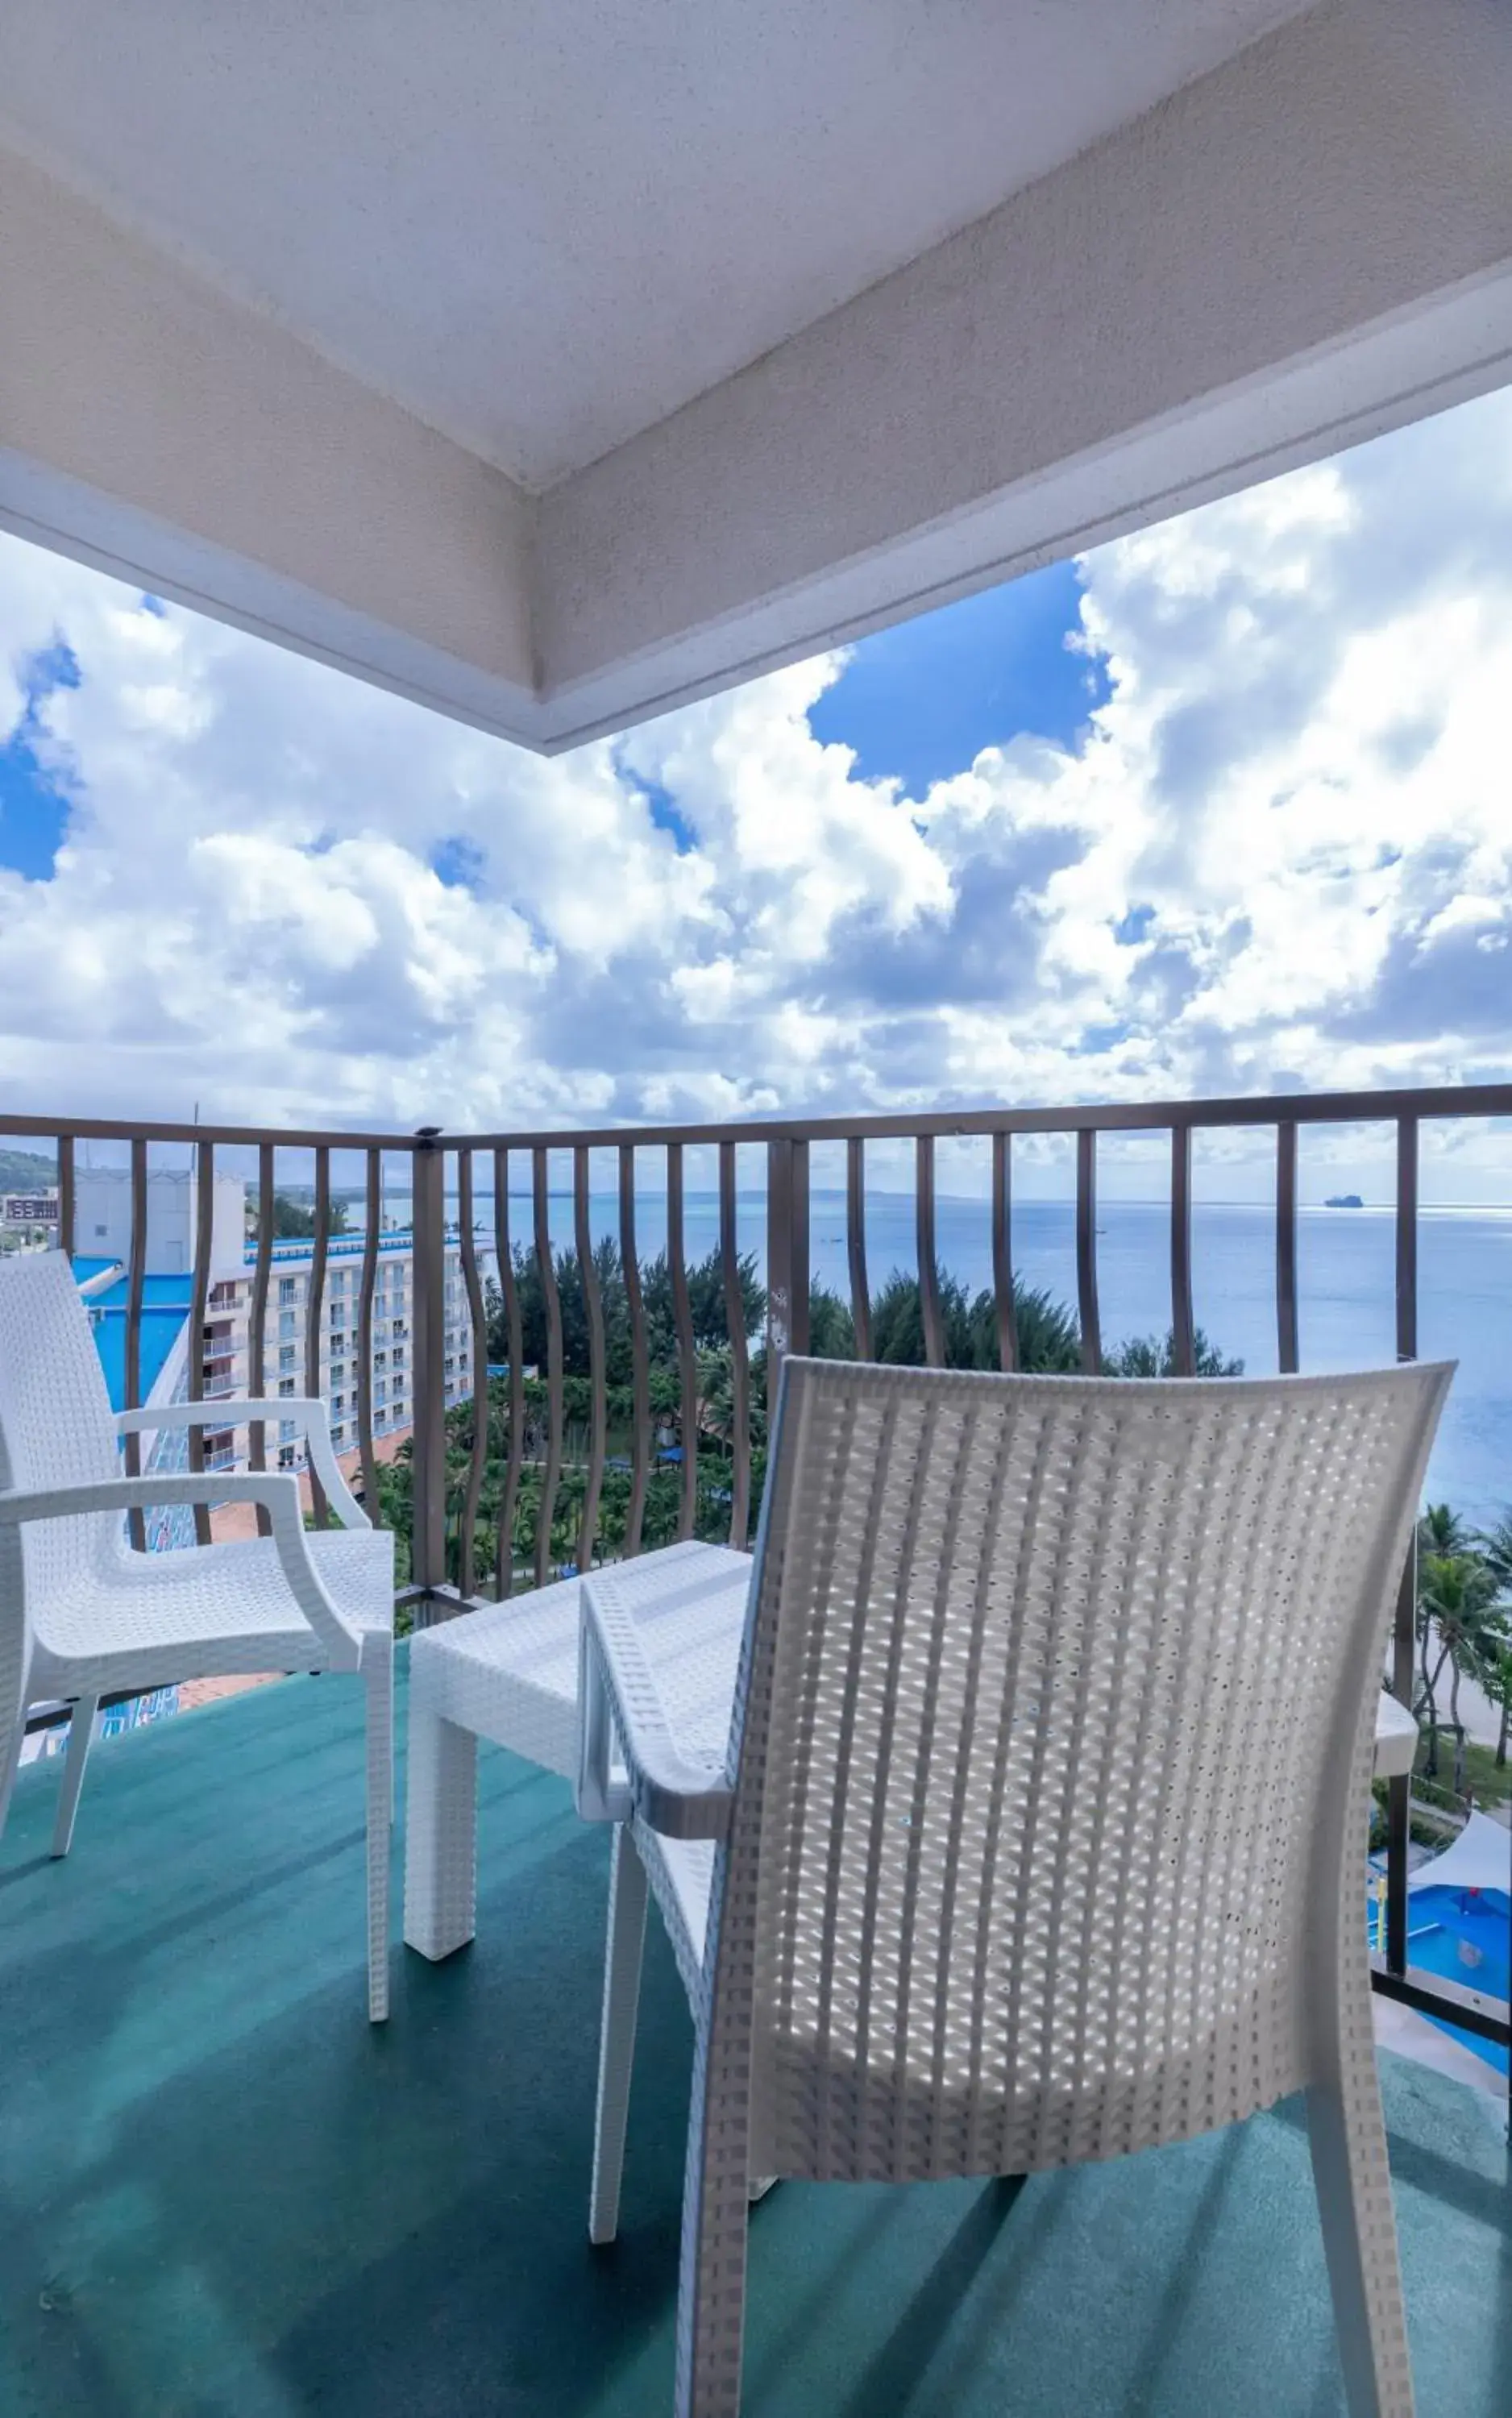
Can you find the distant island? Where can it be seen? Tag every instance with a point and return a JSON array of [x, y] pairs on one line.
[[1343, 1201]]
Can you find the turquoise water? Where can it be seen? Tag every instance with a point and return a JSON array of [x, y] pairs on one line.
[[164, 1309], [1464, 1936]]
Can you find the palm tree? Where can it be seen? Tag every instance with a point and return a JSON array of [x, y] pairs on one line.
[[716, 1394], [1456, 1595], [1496, 1676], [1155, 1356], [1048, 1341], [1442, 1531], [1441, 1535], [1494, 1672], [1496, 1546]]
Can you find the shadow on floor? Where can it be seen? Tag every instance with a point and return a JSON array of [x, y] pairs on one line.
[[222, 2195]]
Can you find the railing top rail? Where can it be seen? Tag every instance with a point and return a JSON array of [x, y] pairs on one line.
[[148, 1129], [1453, 1101], [1114, 1116]]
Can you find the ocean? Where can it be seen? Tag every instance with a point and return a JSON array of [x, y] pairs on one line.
[[1346, 1278]]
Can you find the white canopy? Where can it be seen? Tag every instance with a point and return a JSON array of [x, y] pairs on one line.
[[1480, 1858]]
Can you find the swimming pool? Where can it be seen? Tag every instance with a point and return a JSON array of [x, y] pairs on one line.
[[1462, 1936], [165, 1305]]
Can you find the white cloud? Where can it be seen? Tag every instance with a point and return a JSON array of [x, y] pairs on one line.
[[1281, 853]]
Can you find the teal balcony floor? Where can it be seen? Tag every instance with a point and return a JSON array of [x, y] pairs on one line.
[[223, 2196]]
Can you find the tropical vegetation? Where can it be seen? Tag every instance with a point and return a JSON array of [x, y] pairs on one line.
[[295, 1220], [1464, 1577], [1464, 1630], [1048, 1339]]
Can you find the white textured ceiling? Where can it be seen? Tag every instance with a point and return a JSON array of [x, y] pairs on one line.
[[543, 226], [798, 316]]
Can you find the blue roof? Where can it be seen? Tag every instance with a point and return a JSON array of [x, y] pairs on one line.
[[339, 1247]]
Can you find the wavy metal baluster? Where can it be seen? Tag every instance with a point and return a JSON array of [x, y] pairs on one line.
[[467, 1248], [429, 1261], [367, 1282], [640, 1375], [67, 1240], [1407, 1238], [740, 1361], [135, 1288], [553, 1367], [1404, 1623], [1091, 1339], [861, 1299], [1182, 1328], [257, 1323], [1002, 1251], [787, 1254], [313, 1312], [934, 1332], [687, 1355], [510, 1290], [799, 1249], [1286, 1246], [199, 1303], [598, 1374]]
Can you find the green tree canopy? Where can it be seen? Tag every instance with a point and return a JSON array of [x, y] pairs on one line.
[[1457, 1621], [705, 1308], [293, 1221]]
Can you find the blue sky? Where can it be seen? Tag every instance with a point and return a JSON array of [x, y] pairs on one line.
[[921, 701], [1222, 807], [34, 798]]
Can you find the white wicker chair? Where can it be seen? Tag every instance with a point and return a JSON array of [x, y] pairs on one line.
[[1040, 1833], [81, 1614]]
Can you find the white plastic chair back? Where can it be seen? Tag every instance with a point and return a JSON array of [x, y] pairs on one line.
[[1052, 1750], [57, 1429]]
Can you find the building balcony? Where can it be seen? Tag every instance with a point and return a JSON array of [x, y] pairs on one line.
[[594, 1456], [225, 2191]]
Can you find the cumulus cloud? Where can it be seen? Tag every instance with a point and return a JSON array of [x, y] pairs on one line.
[[1278, 854]]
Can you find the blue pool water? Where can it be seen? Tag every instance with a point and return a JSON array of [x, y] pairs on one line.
[[164, 1307], [1463, 1936]]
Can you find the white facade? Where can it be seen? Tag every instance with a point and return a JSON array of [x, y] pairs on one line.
[[227, 1364], [103, 1218]]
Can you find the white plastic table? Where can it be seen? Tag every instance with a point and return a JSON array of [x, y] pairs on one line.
[[1395, 1739], [509, 1674]]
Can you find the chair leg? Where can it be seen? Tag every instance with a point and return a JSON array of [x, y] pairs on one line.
[[11, 1764], [616, 2035], [715, 2217], [440, 1833], [81, 1736], [380, 1687], [1348, 2139]]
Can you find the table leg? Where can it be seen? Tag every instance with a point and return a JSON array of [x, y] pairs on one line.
[[440, 1835]]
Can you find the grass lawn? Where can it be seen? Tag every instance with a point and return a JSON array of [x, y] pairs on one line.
[[1487, 1782]]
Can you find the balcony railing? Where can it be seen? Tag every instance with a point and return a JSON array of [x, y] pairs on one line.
[[445, 1558]]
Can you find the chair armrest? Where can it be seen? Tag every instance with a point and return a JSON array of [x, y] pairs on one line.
[[277, 1490], [619, 1700], [307, 1413]]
